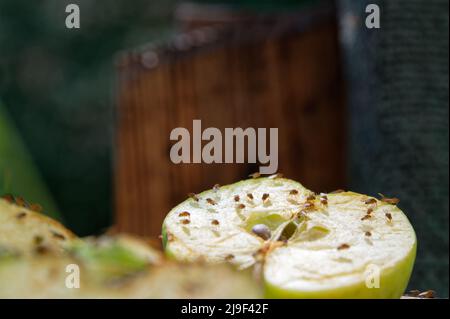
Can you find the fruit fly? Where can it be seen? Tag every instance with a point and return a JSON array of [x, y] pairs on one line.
[[389, 216], [427, 294], [58, 235], [255, 175], [193, 196], [36, 207], [302, 216], [343, 246], [324, 200], [9, 198], [21, 215], [21, 202], [392, 201], [184, 214], [229, 257]]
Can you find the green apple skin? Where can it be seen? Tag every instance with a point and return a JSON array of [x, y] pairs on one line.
[[393, 282], [165, 244]]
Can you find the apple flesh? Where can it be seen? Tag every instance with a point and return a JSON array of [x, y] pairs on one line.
[[343, 245], [26, 232]]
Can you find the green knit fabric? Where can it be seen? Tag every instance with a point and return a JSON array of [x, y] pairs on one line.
[[399, 133]]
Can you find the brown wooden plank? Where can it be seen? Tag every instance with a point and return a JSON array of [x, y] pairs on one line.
[[290, 81]]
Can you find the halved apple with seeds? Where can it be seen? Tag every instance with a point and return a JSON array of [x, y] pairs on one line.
[[342, 245]]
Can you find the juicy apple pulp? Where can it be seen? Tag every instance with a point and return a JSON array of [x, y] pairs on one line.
[[342, 245]]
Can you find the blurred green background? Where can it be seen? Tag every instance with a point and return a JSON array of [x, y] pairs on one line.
[[57, 85]]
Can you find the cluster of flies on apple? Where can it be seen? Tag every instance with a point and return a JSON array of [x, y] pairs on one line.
[[38, 240], [264, 232]]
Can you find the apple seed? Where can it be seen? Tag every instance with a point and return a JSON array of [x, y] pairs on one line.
[[262, 231]]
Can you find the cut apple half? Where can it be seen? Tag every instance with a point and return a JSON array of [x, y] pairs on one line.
[[118, 267], [343, 245]]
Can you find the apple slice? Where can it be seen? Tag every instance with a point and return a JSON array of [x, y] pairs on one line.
[[343, 245], [118, 267], [26, 232]]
